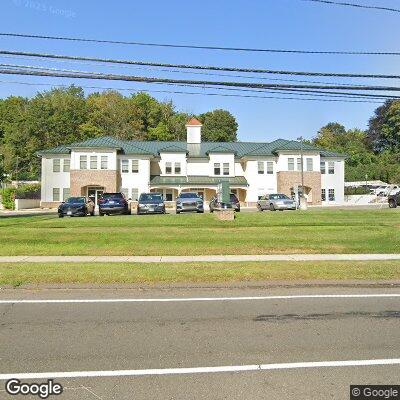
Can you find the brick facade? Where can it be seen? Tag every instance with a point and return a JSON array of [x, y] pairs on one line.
[[80, 179], [312, 180]]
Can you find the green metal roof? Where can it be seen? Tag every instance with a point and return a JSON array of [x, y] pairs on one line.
[[221, 149], [157, 180], [201, 150]]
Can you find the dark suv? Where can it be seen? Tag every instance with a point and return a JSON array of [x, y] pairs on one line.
[[216, 206], [394, 200], [113, 203]]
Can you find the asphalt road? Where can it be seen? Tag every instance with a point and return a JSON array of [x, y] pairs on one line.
[[115, 336]]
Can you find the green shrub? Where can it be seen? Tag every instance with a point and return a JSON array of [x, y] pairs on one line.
[[348, 191], [31, 191], [8, 196]]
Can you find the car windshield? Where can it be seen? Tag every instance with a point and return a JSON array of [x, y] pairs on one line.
[[111, 195], [75, 200], [278, 197], [150, 197], [234, 199], [188, 195]]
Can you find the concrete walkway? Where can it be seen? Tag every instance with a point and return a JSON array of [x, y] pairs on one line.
[[187, 259]]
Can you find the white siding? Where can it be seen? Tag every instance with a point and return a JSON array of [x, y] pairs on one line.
[[260, 184], [52, 179], [283, 160], [200, 167], [222, 158], [334, 181], [173, 158], [140, 180], [111, 154]]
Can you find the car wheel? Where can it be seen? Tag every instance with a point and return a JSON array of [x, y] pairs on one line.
[[271, 207], [101, 214], [178, 212], [259, 208], [392, 204], [60, 216]]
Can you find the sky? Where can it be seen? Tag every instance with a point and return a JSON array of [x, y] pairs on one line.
[[284, 24]]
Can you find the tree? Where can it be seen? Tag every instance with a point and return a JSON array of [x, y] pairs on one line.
[[110, 113], [219, 126], [384, 127]]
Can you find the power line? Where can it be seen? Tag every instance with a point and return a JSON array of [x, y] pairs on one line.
[[200, 67], [165, 69], [357, 5], [206, 94], [286, 90], [145, 79], [201, 47]]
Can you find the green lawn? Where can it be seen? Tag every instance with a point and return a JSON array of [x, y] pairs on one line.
[[313, 231], [22, 274]]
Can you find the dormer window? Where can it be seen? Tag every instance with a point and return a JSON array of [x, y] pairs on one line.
[[177, 168], [217, 169], [226, 168], [168, 168]]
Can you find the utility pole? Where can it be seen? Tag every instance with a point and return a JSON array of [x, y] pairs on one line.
[[302, 198]]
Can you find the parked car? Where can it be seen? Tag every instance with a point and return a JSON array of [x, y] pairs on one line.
[[151, 203], [380, 190], [113, 203], [76, 206], [234, 203], [189, 201], [394, 200], [275, 202]]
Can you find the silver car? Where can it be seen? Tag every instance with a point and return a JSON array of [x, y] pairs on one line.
[[189, 201], [275, 202]]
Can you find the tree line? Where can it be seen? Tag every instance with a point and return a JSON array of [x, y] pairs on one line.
[[64, 116], [373, 154]]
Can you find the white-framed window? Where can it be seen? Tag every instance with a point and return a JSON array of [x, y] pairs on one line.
[[177, 170], [125, 192], [83, 162], [125, 166], [66, 193], [323, 167], [331, 194], [56, 194], [93, 162], [217, 169], [331, 167], [135, 194], [168, 194], [290, 164], [66, 165], [135, 166], [225, 168], [168, 168], [260, 167], [270, 167], [56, 164], [323, 194], [104, 162], [310, 164], [299, 164]]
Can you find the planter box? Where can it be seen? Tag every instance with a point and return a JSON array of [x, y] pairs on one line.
[[22, 204], [225, 215]]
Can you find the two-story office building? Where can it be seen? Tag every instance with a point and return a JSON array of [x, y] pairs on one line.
[[107, 164]]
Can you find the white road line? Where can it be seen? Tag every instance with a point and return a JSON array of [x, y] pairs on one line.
[[188, 299], [200, 370]]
